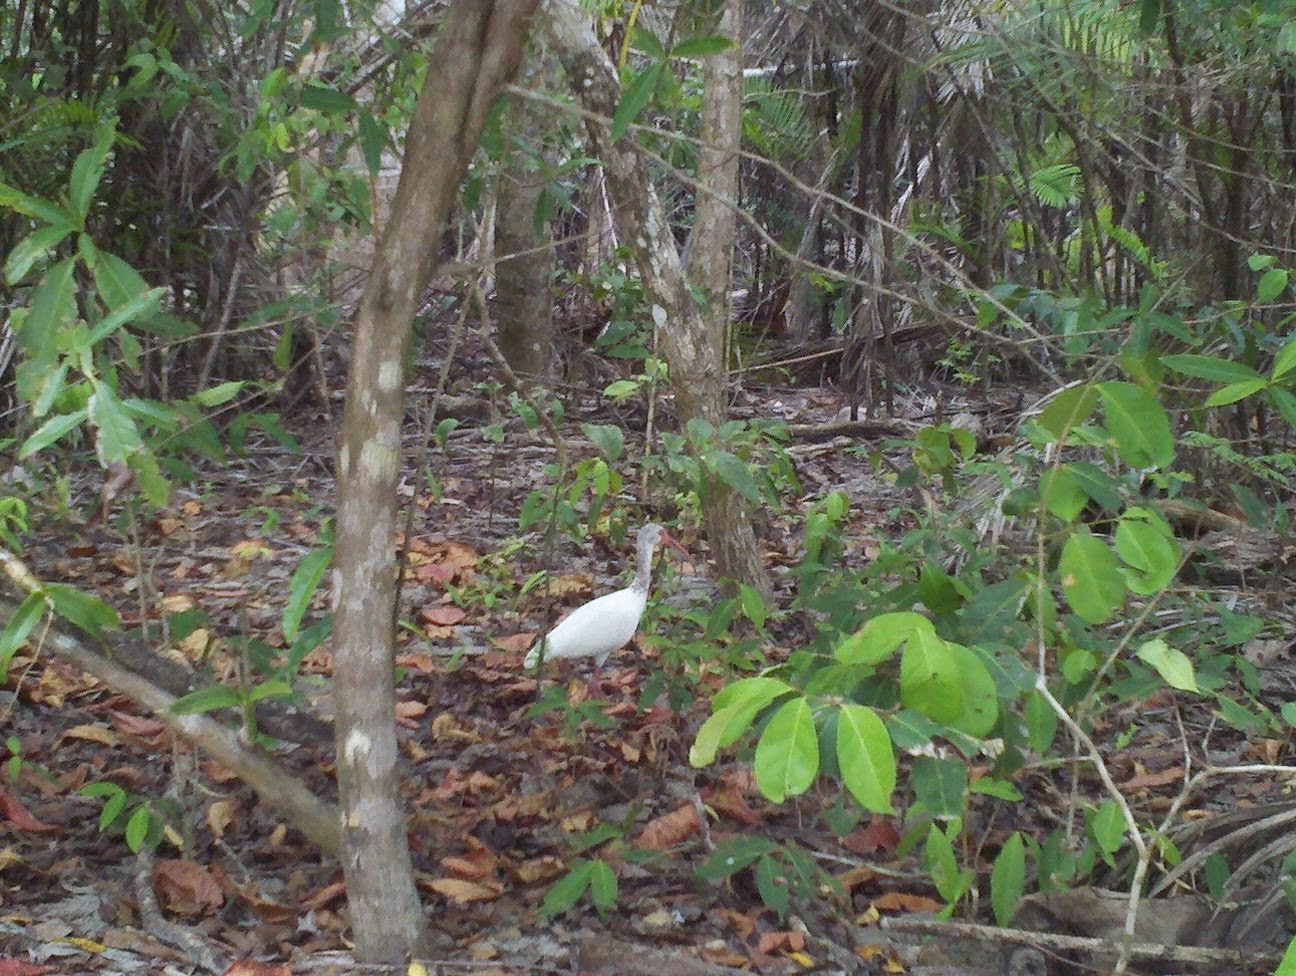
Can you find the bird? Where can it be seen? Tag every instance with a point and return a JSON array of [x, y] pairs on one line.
[[606, 624]]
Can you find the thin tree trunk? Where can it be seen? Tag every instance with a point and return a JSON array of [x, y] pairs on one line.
[[689, 344], [477, 52]]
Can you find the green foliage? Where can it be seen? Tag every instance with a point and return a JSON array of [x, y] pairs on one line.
[[142, 822]]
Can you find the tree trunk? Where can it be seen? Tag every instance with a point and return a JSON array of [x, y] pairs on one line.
[[525, 267], [477, 52], [688, 343]]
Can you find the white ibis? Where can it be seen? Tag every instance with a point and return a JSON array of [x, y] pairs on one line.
[[605, 624]]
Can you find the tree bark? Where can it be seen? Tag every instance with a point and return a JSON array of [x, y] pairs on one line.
[[477, 52], [694, 354]]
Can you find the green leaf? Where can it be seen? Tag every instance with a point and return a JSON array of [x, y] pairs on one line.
[[1235, 392], [878, 639], [53, 304], [214, 396], [326, 98], [118, 283], [734, 854], [1150, 551], [305, 581], [49, 432], [929, 679], [940, 785], [129, 312], [1061, 493], [567, 890], [116, 439], [1107, 827], [373, 141], [1068, 410], [642, 39], [1286, 404], [1041, 722], [29, 206], [137, 828], [603, 886], [980, 708], [81, 609], [1149, 17], [1272, 284], [865, 758], [938, 855], [1285, 361], [735, 473], [1210, 368], [1174, 666], [88, 170], [1091, 578], [787, 756], [209, 699], [26, 251], [1008, 879], [772, 885], [1287, 964], [637, 96], [274, 688], [17, 628], [701, 47], [1138, 423], [608, 438]]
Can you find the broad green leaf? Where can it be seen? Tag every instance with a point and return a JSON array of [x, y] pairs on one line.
[[951, 882], [762, 689], [1174, 666], [327, 99], [1151, 554], [723, 728], [1068, 410], [17, 628], [1149, 17], [29, 206], [1091, 578], [878, 639], [637, 96], [53, 305], [1008, 878], [608, 438], [81, 609], [753, 606], [772, 886], [929, 679], [1235, 392], [787, 756], [214, 396], [118, 283], [865, 758], [209, 699], [116, 438], [50, 431], [1097, 484], [305, 581], [30, 248], [1285, 401], [1061, 493], [1107, 827], [735, 473], [139, 306], [1210, 368], [137, 828], [567, 890], [980, 697], [642, 39], [1138, 423], [88, 170], [1041, 722], [373, 141], [1272, 284], [274, 688], [1285, 361], [603, 886], [1287, 964], [701, 47], [732, 855]]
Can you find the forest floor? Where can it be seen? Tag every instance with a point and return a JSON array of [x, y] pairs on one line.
[[502, 798]]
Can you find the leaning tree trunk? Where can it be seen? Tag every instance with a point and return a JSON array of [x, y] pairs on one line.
[[694, 352], [477, 52]]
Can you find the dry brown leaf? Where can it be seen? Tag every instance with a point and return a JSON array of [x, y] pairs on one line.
[[899, 901], [139, 725], [442, 615], [411, 709], [93, 733], [19, 817], [220, 817], [569, 583], [250, 967], [728, 800], [177, 602], [670, 829], [516, 643], [1144, 780], [538, 869], [187, 888], [10, 858], [465, 892], [879, 835]]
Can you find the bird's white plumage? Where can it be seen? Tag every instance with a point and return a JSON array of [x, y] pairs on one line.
[[607, 623]]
